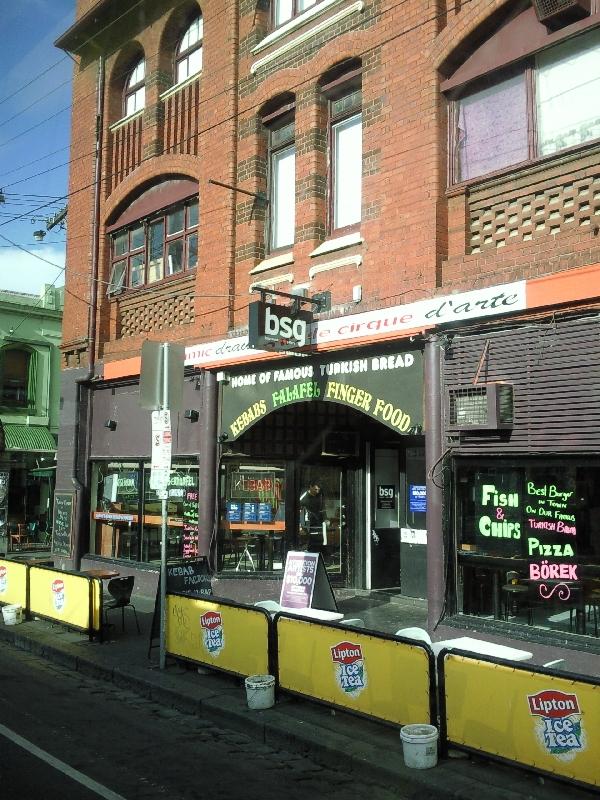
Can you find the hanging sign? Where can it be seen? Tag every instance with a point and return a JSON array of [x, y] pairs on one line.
[[388, 388], [274, 327]]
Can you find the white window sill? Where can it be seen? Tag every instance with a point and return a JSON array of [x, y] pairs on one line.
[[331, 245], [268, 283], [179, 86], [124, 120], [346, 261], [305, 35], [272, 263], [292, 24]]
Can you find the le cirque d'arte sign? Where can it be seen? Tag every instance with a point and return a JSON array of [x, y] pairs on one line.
[[388, 388]]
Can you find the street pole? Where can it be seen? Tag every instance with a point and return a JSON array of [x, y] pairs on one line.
[[163, 535]]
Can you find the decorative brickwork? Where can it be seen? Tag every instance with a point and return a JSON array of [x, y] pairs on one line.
[[371, 160], [311, 141], [125, 151], [249, 127], [371, 210], [250, 210], [155, 312], [533, 208], [181, 120], [253, 250], [311, 232], [254, 167], [310, 187], [372, 111]]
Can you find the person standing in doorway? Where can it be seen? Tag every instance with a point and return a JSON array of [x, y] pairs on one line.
[[312, 516]]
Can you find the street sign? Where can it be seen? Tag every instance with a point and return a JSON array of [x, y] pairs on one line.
[[160, 466]]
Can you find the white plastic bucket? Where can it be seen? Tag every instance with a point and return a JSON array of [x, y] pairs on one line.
[[419, 745], [12, 615], [260, 691]]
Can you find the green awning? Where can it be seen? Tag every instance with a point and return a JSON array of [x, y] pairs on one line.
[[43, 473], [31, 438]]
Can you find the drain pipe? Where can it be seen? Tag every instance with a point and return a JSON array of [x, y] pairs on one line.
[[82, 384], [433, 453]]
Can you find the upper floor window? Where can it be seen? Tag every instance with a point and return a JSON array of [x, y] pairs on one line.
[[284, 10], [344, 92], [161, 246], [282, 177], [17, 378], [545, 105], [135, 89], [189, 53]]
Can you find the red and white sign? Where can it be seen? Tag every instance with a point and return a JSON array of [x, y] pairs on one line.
[[162, 439]]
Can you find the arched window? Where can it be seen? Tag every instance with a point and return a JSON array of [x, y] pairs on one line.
[[135, 89], [189, 52], [278, 118], [17, 378]]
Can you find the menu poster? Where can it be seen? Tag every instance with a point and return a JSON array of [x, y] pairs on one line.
[[265, 512], [306, 583], [190, 524], [499, 511], [250, 512], [234, 511], [550, 532]]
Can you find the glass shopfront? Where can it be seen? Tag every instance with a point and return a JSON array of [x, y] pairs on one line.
[[528, 541], [259, 496], [126, 513]]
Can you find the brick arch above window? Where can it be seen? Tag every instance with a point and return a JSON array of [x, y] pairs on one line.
[[119, 76]]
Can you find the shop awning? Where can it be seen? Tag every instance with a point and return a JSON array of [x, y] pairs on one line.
[[47, 472], [30, 438]]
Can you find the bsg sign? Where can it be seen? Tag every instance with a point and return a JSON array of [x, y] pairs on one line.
[[273, 327]]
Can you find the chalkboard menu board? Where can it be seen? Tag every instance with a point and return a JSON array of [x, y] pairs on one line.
[[190, 524], [62, 526]]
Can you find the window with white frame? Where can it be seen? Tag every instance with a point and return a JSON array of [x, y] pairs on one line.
[[345, 147], [135, 89], [284, 10], [159, 247], [188, 61], [282, 177], [545, 105]]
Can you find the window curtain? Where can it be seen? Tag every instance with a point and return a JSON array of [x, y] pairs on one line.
[[492, 128], [568, 94], [32, 381]]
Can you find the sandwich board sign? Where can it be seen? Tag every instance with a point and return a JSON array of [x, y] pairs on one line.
[[306, 583]]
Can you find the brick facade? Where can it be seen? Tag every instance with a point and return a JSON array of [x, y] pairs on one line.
[[417, 238]]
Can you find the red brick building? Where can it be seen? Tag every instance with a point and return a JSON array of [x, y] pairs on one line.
[[430, 173]]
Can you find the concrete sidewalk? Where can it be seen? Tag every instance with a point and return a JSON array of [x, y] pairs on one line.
[[332, 738]]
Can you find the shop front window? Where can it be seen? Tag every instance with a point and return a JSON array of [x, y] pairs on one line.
[[528, 548], [252, 519], [127, 514]]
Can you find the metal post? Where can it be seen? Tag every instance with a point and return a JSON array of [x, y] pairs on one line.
[[163, 535]]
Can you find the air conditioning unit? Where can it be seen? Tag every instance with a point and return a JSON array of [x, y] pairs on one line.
[[484, 407], [555, 14]]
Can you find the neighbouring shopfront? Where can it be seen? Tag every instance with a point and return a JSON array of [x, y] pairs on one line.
[[349, 426], [524, 498]]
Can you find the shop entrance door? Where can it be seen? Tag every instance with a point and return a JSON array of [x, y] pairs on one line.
[[323, 519]]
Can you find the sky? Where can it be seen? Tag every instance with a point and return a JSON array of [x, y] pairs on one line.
[[35, 97]]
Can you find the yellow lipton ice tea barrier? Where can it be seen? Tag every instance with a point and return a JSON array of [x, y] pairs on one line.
[[13, 583], [375, 675], [549, 722], [67, 597], [223, 635]]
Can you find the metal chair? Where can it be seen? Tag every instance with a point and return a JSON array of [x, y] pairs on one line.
[[120, 590]]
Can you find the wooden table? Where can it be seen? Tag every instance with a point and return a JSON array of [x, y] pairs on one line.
[[102, 574]]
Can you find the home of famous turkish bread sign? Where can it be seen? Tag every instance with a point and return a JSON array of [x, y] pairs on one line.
[[388, 388]]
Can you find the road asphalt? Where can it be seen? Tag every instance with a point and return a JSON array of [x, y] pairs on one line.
[[331, 737]]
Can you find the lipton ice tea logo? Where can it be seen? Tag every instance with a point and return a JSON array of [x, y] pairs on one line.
[[58, 594], [3, 580], [350, 672], [212, 632], [558, 727]]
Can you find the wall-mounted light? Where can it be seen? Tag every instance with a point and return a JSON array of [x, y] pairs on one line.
[[191, 414], [111, 424], [222, 377], [39, 235], [223, 437]]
